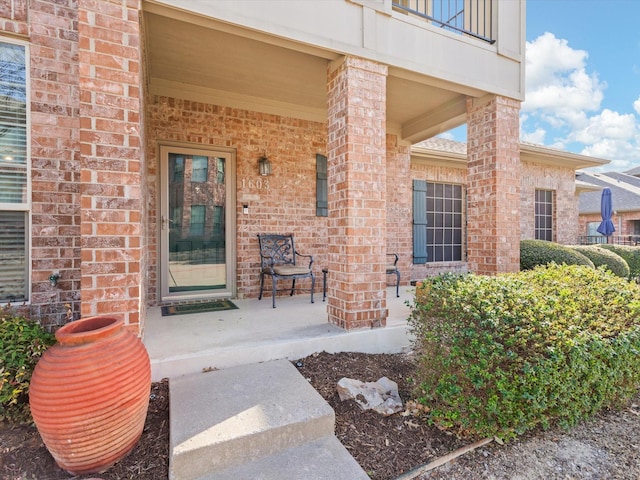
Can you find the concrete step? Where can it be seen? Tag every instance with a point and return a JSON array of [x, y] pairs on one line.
[[322, 459], [241, 415]]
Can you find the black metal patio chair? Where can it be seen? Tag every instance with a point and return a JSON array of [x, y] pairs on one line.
[[392, 269], [278, 260]]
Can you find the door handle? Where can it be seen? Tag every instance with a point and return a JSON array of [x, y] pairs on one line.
[[164, 221]]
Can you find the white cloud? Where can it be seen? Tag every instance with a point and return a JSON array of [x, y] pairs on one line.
[[447, 135], [557, 82], [536, 137], [608, 125], [563, 102]]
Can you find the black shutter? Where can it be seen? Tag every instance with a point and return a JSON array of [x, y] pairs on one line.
[[322, 207], [419, 221]]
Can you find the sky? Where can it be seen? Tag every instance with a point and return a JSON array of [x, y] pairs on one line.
[[582, 79]]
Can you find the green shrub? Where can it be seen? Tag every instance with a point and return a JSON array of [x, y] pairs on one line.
[[603, 257], [22, 342], [630, 254], [505, 354], [541, 252]]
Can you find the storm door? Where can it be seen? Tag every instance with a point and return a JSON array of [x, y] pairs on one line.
[[197, 223]]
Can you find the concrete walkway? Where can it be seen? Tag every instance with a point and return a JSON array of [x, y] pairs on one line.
[[239, 409], [255, 332]]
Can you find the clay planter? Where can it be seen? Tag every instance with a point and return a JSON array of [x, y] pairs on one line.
[[89, 394]]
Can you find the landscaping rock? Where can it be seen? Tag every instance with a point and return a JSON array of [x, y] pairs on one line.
[[381, 396]]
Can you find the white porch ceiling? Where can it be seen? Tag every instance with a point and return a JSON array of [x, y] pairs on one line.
[[201, 59]]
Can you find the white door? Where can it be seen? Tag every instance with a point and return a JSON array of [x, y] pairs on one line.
[[197, 223]]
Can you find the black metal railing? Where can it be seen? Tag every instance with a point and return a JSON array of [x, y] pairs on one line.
[[468, 17], [612, 239]]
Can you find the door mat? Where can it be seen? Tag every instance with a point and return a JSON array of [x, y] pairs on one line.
[[214, 306]]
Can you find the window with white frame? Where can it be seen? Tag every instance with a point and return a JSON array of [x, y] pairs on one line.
[[200, 168], [14, 173], [438, 226], [544, 213]]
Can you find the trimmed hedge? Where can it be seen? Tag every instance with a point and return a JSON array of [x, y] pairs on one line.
[[22, 343], [506, 354], [630, 254], [541, 252], [603, 257]]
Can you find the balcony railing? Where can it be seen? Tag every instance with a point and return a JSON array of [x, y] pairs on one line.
[[467, 17], [613, 239]]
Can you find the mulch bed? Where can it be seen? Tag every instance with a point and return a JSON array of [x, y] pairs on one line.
[[606, 447], [384, 446]]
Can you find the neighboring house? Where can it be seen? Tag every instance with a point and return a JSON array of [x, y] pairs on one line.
[[635, 172], [625, 196], [144, 144], [548, 200]]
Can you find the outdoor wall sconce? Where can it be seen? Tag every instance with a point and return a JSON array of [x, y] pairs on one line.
[[264, 165], [53, 278]]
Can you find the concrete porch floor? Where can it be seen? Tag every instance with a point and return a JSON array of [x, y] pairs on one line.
[[256, 332]]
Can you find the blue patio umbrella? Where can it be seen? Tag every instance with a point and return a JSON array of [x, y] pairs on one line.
[[606, 227]]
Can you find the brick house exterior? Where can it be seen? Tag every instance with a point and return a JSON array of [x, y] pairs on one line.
[[542, 169], [119, 90], [625, 196]]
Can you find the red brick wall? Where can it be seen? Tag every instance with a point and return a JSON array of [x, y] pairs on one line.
[[562, 182], [288, 204], [399, 206], [54, 158], [14, 17], [85, 156], [50, 30], [111, 160], [285, 204]]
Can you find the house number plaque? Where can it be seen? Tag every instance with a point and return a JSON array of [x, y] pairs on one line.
[[259, 184]]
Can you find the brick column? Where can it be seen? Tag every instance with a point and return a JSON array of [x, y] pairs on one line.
[[493, 191], [357, 194], [110, 163]]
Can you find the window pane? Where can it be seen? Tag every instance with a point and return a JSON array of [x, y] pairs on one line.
[[13, 124], [220, 167], [197, 219], [444, 214], [448, 220], [200, 169], [13, 184], [544, 213], [13, 256], [176, 165]]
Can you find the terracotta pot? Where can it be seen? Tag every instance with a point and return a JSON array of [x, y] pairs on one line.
[[89, 394]]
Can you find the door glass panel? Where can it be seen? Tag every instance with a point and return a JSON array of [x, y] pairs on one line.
[[196, 223]]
